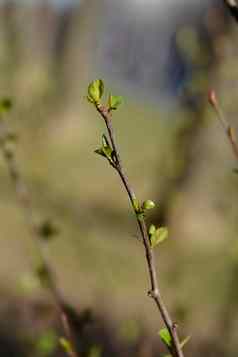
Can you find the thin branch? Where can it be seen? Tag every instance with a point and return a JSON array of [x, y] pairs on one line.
[[154, 292], [24, 198], [229, 131]]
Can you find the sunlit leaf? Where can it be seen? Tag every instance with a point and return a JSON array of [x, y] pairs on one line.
[[158, 236], [95, 91], [114, 102]]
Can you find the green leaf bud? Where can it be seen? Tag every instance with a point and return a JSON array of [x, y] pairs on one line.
[[148, 204], [152, 230], [95, 91]]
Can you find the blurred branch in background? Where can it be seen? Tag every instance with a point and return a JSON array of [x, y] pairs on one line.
[[41, 232]]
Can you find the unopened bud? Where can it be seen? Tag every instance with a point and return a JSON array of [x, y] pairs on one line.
[[148, 204], [212, 98]]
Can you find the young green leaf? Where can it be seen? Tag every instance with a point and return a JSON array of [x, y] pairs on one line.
[[136, 205], [162, 234], [158, 236], [100, 152], [152, 230], [95, 91], [105, 142], [66, 345], [166, 337], [114, 102], [105, 150]]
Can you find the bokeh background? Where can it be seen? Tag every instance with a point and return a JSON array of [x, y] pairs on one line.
[[162, 57]]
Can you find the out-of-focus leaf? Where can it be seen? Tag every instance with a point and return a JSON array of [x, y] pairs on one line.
[[95, 351], [47, 344], [5, 105], [66, 345], [43, 275], [47, 230]]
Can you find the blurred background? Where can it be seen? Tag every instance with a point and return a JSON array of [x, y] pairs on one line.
[[162, 57]]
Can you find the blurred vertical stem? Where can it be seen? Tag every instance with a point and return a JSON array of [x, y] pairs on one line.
[[7, 146], [116, 163], [229, 131]]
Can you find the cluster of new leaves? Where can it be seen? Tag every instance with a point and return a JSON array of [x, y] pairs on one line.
[[96, 91], [95, 94]]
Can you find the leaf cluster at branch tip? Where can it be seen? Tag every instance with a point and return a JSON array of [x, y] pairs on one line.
[[95, 93]]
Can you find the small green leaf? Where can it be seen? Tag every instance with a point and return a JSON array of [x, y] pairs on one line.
[[66, 345], [105, 150], [162, 234], [90, 99], [158, 236], [166, 337], [5, 105], [100, 152], [136, 205], [152, 230], [105, 142], [114, 102], [95, 91], [148, 204], [108, 153]]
